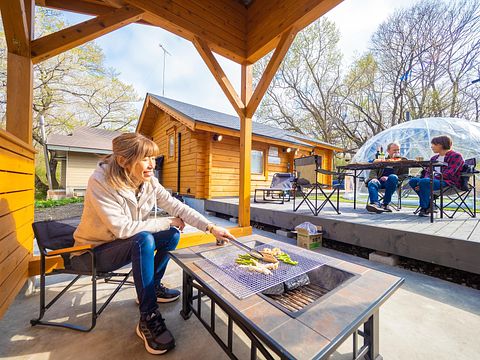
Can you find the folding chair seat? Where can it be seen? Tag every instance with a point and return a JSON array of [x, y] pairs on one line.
[[279, 190], [456, 198], [55, 237]]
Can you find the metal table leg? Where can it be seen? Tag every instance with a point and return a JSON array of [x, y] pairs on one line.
[[371, 337], [187, 296]]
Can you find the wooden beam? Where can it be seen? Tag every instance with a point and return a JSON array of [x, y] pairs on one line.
[[272, 67], [245, 149], [177, 16], [78, 6], [20, 97], [267, 20], [219, 75], [53, 44], [16, 26]]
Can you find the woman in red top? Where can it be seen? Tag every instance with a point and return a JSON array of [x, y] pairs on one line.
[[442, 147]]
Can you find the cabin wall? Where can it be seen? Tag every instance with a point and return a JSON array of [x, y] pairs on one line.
[[80, 166], [226, 167], [164, 127], [17, 169]]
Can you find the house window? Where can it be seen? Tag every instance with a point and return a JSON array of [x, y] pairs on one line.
[[257, 162], [171, 145]]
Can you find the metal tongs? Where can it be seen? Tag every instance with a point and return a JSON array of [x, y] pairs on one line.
[[255, 253]]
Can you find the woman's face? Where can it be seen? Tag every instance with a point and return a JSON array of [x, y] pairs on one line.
[[143, 170], [436, 148]]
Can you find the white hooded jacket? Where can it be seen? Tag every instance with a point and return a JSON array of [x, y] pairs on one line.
[[110, 214]]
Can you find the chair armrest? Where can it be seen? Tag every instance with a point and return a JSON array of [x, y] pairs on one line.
[[69, 250]]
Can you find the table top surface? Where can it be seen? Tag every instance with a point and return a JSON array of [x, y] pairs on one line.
[[324, 323], [391, 163]]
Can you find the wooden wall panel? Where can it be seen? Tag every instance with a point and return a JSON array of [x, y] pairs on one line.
[[16, 215], [79, 168]]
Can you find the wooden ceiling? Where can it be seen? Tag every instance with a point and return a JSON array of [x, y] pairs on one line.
[[241, 30]]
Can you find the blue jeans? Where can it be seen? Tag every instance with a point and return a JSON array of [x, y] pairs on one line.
[[148, 266], [390, 185], [424, 189]]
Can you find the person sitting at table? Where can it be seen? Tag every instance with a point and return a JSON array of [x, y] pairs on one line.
[[384, 178], [442, 147], [116, 220]]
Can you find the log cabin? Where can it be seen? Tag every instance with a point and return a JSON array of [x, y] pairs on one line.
[[200, 149]]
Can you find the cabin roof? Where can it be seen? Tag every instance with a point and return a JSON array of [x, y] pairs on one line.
[[216, 118], [83, 139]]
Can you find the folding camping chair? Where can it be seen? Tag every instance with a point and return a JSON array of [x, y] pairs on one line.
[[307, 185], [56, 238], [279, 190], [457, 197]]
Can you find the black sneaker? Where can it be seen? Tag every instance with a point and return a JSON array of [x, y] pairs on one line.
[[376, 208], [386, 208], [152, 330], [166, 295], [423, 213]]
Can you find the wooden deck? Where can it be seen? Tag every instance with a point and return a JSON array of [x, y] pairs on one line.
[[453, 242]]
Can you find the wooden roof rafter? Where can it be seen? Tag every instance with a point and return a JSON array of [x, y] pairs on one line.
[[53, 44], [16, 26]]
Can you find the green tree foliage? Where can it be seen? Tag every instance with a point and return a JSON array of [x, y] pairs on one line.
[[73, 89]]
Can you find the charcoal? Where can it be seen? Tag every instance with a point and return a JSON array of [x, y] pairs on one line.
[[274, 290], [297, 281]]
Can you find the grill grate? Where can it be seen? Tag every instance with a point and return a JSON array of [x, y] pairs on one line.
[[297, 299], [220, 265]]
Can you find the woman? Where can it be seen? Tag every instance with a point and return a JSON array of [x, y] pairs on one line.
[[120, 196], [442, 146]]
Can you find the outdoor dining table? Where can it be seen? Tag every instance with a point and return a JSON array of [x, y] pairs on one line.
[[349, 309], [358, 168]]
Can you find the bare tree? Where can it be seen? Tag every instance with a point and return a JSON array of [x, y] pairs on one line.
[[428, 54], [304, 93]]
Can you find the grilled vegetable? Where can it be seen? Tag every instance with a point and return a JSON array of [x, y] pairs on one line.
[[280, 255], [284, 257]]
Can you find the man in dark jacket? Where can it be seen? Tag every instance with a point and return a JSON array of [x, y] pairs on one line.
[[384, 178]]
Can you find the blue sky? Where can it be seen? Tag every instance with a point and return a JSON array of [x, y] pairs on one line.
[[135, 53]]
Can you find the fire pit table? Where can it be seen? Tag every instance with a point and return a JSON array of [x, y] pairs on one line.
[[307, 317]]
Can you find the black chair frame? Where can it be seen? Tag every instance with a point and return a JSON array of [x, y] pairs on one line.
[[457, 196], [278, 192], [305, 188], [41, 230]]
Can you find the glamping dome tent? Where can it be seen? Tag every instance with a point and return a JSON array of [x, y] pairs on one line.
[[414, 138]]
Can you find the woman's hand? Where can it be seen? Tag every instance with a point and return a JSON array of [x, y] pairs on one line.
[[177, 222], [221, 233]]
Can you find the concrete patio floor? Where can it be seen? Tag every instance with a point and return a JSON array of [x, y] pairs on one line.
[[426, 318]]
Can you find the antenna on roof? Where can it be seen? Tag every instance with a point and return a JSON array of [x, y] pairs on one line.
[[165, 52]]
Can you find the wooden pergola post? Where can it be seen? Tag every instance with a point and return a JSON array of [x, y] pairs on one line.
[[245, 148], [17, 16]]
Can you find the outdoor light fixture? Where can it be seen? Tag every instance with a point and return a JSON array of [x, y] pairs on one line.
[[287, 150], [217, 137]]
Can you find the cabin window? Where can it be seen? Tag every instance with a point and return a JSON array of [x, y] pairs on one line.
[[171, 145], [257, 162]]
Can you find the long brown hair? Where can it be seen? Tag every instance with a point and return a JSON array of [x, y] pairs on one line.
[[128, 149]]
